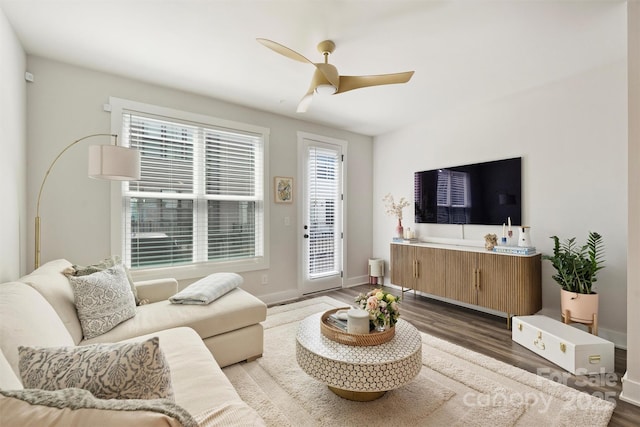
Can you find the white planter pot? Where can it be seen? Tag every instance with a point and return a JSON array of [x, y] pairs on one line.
[[581, 307]]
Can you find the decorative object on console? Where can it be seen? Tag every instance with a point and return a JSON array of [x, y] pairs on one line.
[[514, 250], [112, 162], [490, 241], [524, 237], [576, 271], [383, 308], [395, 209]]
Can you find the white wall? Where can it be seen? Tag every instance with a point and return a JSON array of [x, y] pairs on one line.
[[13, 143], [66, 103], [572, 136], [631, 383]]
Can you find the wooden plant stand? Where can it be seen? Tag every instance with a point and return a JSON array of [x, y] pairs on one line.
[[593, 325]]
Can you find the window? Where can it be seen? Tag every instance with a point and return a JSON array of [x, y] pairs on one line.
[[200, 199], [453, 197]]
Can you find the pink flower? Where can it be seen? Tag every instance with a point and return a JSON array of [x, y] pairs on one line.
[[372, 303]]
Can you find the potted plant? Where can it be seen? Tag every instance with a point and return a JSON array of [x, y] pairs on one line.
[[576, 270]]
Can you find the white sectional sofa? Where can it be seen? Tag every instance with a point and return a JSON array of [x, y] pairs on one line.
[[38, 311]]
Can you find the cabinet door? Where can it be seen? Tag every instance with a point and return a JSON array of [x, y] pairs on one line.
[[430, 271], [508, 283], [461, 276], [498, 281], [402, 265]]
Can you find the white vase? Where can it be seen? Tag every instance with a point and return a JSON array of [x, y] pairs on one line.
[[524, 239]]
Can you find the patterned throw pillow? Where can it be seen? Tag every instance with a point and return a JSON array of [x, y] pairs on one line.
[[79, 270], [103, 300], [136, 370]]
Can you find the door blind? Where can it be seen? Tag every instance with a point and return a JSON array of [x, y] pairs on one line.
[[323, 198]]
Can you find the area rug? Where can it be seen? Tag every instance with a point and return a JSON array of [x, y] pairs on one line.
[[456, 387]]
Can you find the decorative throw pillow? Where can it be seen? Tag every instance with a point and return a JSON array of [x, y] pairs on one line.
[[208, 289], [79, 270], [103, 300], [136, 370]]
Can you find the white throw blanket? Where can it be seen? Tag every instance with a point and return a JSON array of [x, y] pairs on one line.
[[208, 289]]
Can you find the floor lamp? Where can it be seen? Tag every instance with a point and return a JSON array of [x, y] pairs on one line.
[[111, 162]]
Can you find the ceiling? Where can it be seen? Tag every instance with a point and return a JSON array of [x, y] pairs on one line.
[[463, 52]]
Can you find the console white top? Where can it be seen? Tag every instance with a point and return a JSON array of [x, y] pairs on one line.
[[459, 247]]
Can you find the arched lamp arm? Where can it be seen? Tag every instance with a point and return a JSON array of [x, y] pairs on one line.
[[44, 180]]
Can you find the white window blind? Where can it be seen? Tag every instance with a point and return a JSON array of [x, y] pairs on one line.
[[459, 189], [200, 197], [323, 194], [443, 194], [453, 189]]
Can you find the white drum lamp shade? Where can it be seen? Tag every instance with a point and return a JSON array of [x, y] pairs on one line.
[[376, 268], [114, 162]]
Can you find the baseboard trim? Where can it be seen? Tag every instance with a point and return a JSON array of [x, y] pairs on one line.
[[280, 297], [630, 390]]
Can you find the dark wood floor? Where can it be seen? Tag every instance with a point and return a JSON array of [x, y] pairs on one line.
[[488, 334]]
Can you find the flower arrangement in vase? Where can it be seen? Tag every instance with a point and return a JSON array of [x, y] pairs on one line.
[[395, 209], [383, 308]]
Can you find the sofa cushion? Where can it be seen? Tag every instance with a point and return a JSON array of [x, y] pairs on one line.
[[8, 378], [54, 286], [103, 300], [26, 318], [136, 370], [77, 407], [79, 270], [207, 289], [232, 311], [198, 382]]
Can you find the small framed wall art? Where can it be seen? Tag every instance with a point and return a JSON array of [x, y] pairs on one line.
[[283, 189]]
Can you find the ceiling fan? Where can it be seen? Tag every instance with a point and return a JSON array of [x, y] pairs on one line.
[[326, 79]]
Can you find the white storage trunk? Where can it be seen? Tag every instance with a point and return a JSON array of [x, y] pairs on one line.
[[577, 351]]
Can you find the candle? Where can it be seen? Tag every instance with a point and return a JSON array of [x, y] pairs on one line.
[[504, 230], [509, 221]]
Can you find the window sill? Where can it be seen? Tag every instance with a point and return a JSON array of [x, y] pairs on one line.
[[199, 270]]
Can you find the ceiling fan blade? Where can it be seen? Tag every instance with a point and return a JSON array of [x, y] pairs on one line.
[[356, 82], [305, 102], [283, 50]]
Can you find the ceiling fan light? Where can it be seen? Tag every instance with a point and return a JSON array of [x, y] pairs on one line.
[[326, 89]]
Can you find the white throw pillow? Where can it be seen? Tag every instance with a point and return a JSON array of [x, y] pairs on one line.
[[208, 289], [135, 370], [103, 300]]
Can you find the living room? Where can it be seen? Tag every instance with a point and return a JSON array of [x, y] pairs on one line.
[[580, 166]]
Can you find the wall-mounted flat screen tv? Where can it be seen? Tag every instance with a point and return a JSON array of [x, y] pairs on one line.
[[483, 193]]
